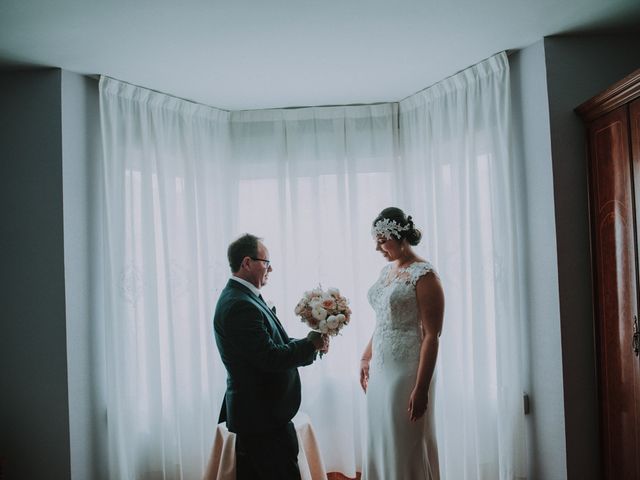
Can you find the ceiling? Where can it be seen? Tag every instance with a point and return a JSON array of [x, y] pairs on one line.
[[250, 54]]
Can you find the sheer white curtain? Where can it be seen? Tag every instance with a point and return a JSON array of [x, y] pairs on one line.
[[456, 175], [182, 180], [165, 223], [311, 181]]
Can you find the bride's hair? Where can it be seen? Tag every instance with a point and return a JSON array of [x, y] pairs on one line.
[[412, 234]]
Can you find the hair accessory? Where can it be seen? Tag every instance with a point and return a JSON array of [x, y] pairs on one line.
[[386, 228]]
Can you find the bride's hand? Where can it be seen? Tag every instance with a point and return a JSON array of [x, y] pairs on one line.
[[418, 403], [364, 374]]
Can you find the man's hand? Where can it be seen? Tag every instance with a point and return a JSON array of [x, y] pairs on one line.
[[317, 339], [325, 344]]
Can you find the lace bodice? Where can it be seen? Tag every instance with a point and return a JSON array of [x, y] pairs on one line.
[[398, 333]]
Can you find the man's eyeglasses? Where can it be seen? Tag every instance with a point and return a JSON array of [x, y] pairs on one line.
[[266, 262]]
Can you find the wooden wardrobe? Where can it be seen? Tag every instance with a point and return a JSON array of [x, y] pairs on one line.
[[612, 120]]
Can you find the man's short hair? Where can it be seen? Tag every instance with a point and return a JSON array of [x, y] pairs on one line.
[[245, 246]]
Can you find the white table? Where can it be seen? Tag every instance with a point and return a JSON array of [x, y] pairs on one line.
[[222, 462]]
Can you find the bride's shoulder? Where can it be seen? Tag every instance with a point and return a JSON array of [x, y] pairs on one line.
[[421, 263], [421, 268]]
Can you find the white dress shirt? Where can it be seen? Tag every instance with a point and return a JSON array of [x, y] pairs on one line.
[[249, 285]]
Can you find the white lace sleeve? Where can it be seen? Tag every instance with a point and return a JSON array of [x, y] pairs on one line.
[[420, 269]]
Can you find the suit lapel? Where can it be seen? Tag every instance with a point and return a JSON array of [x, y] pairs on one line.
[[282, 330], [273, 316], [274, 320]]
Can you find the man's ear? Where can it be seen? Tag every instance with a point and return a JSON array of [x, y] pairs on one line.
[[245, 263]]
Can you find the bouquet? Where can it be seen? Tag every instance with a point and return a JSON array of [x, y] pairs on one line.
[[325, 312]]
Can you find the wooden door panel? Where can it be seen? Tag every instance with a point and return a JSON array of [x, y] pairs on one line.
[[634, 132], [615, 271], [634, 129]]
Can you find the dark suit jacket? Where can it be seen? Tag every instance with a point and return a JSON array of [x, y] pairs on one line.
[[263, 385]]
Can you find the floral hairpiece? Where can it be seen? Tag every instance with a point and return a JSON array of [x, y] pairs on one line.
[[386, 228]]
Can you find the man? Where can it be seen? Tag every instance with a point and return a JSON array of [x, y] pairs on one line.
[[263, 386]]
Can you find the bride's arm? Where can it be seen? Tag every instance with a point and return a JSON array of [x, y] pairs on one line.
[[364, 366], [431, 307]]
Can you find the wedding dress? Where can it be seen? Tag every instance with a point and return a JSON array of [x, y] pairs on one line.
[[397, 449]]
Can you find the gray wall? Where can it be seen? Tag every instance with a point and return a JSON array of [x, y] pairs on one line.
[[34, 410], [52, 414], [533, 147], [550, 79], [577, 69], [81, 147]]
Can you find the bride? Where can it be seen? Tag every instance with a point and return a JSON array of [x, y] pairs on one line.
[[397, 367]]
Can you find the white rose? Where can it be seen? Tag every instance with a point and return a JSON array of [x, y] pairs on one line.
[[319, 313], [315, 303], [341, 318], [332, 322], [334, 292], [322, 326]]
